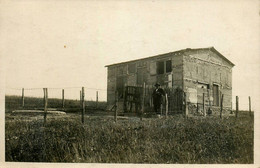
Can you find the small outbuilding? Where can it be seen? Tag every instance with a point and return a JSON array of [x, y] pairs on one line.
[[199, 76]]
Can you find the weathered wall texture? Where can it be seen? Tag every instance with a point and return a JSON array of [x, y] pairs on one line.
[[208, 73], [111, 80], [145, 71], [196, 71]]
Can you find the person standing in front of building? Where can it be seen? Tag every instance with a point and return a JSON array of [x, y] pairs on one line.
[[158, 95]]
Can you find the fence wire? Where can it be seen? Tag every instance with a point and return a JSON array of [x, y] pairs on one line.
[[34, 98], [91, 95], [72, 93]]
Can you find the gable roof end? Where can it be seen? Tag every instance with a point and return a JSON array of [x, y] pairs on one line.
[[214, 50]]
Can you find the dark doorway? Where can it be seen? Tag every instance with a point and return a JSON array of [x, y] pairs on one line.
[[177, 100], [120, 82], [215, 95]]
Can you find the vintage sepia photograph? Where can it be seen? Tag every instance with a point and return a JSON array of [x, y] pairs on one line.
[[130, 82]]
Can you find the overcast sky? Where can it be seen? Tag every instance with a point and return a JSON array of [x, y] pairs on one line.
[[68, 43]]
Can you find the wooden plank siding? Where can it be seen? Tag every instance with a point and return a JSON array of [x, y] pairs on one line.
[[190, 69]]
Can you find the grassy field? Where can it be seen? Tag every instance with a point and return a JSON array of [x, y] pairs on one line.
[[153, 140]]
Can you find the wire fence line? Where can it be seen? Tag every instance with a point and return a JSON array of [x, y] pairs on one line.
[[66, 98], [92, 93], [56, 92], [78, 87]]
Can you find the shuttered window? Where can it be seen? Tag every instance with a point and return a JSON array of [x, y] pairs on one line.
[[160, 67], [168, 66]]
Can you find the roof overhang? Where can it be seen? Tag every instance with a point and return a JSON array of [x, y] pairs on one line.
[[188, 49]]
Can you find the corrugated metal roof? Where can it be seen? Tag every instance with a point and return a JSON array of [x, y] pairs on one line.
[[179, 51]]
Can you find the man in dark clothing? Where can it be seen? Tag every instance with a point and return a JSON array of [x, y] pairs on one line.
[[158, 94]]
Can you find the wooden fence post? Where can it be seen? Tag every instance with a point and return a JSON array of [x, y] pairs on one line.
[[44, 100], [231, 107], [221, 105], [186, 107], [250, 113], [209, 109], [63, 100], [166, 103], [203, 105], [83, 105], [161, 109], [150, 98], [237, 105], [197, 109], [116, 103], [45, 91], [96, 99], [143, 100], [80, 97], [124, 98], [23, 97]]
